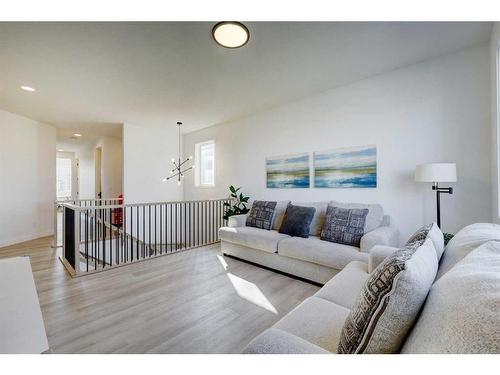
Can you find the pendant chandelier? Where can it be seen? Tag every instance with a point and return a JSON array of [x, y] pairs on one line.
[[179, 166]]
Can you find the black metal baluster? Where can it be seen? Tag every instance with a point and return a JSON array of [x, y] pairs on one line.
[[190, 225], [200, 238], [96, 240], [92, 247], [87, 239], [171, 227], [143, 232], [149, 237], [205, 225], [176, 228], [213, 221], [156, 229], [103, 229], [161, 227], [185, 226], [110, 239]]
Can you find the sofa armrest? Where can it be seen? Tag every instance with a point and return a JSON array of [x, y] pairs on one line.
[[377, 254], [387, 236], [237, 221], [276, 341]]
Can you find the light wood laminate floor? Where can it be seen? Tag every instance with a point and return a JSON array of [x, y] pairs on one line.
[[191, 302]]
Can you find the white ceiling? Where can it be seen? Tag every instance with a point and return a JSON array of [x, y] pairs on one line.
[[101, 74]]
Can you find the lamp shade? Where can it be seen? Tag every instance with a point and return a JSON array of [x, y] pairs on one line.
[[436, 172]]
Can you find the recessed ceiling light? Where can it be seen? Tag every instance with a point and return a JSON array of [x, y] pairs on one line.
[[77, 135], [231, 34], [28, 88], [60, 150]]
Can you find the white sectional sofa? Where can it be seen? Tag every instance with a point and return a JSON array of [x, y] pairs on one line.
[[309, 258], [460, 315]]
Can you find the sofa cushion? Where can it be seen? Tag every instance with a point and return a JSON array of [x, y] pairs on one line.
[[261, 239], [345, 226], [373, 218], [319, 215], [316, 320], [279, 214], [297, 221], [261, 215], [466, 240], [314, 250], [462, 312], [345, 287], [276, 341], [390, 301]]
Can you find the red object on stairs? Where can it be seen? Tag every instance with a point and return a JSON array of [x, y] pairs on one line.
[[117, 218]]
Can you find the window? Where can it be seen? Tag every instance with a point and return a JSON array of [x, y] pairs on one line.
[[205, 164], [63, 173]]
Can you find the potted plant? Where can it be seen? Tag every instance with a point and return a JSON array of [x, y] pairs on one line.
[[237, 206]]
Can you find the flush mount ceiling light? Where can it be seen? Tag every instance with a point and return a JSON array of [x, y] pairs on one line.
[[77, 135], [231, 34], [28, 88]]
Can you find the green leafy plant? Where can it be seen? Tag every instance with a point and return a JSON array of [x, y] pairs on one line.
[[237, 206], [447, 238]]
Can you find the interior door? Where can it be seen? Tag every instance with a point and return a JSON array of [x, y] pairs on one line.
[[98, 173]]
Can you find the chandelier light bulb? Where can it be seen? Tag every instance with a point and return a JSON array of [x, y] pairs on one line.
[[191, 157]]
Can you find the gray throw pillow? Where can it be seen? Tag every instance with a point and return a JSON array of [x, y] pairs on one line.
[[390, 301], [261, 215], [344, 226], [297, 221]]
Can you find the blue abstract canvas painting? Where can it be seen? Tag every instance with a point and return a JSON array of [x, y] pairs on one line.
[[291, 171], [353, 167]]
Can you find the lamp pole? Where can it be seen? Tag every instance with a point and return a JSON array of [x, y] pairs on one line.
[[439, 191]]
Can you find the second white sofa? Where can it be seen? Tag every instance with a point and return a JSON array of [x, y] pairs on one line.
[[309, 258]]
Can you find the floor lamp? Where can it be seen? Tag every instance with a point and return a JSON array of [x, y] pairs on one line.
[[436, 173]]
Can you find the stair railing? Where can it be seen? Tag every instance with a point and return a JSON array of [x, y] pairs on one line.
[[101, 236]]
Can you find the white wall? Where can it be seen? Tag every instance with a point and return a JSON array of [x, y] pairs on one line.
[[27, 178], [494, 45], [147, 154], [86, 171], [435, 111]]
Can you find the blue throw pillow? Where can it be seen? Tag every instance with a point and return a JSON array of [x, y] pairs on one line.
[[297, 221]]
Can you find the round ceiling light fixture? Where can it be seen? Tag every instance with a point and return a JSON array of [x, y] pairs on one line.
[[231, 34]]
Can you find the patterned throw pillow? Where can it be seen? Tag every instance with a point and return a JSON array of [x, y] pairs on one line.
[[261, 215], [344, 226], [420, 235], [390, 301]]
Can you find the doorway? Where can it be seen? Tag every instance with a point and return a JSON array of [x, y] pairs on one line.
[[66, 176], [98, 173]]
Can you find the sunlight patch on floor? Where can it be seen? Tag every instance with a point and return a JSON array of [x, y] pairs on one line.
[[250, 292], [222, 261]]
